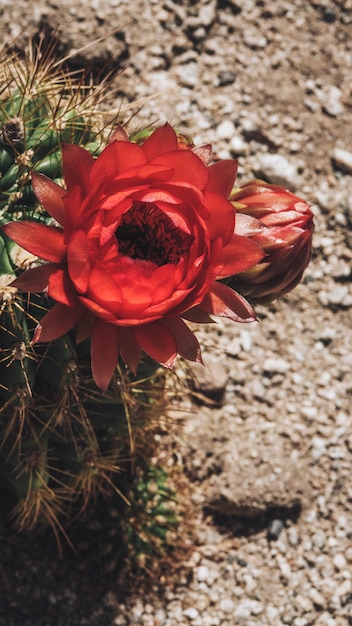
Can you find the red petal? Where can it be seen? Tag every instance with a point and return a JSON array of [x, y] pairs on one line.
[[77, 163], [78, 263], [85, 327], [225, 302], [239, 255], [197, 316], [36, 279], [203, 152], [57, 322], [61, 288], [105, 352], [187, 343], [73, 210], [116, 158], [222, 217], [130, 350], [50, 195], [157, 341], [187, 168], [46, 242], [247, 225], [162, 140], [222, 176], [119, 134]]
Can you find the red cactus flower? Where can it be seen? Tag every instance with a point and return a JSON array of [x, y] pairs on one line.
[[143, 233], [282, 224]]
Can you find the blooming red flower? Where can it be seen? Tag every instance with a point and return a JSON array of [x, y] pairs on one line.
[[282, 224], [143, 233]]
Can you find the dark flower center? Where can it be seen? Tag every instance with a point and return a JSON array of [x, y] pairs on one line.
[[147, 233]]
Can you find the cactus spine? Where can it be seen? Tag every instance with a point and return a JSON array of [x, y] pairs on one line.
[[63, 444]]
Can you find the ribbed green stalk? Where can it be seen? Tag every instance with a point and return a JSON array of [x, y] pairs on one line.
[[63, 443]]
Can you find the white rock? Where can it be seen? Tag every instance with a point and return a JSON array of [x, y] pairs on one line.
[[343, 589], [160, 616], [319, 538], [191, 613], [242, 611], [293, 536], [238, 146], [246, 340], [317, 597], [338, 294], [271, 612], [339, 561], [278, 170], [226, 605], [225, 130], [310, 412], [318, 448], [276, 366], [256, 607], [332, 104], [202, 573], [342, 160]]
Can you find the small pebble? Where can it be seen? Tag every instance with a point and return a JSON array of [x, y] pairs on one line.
[[342, 160], [225, 130], [202, 573], [278, 170], [226, 605], [274, 529], [191, 613]]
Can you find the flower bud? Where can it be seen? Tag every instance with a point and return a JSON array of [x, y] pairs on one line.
[[282, 224]]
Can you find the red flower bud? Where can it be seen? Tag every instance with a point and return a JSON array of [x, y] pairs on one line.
[[282, 224]]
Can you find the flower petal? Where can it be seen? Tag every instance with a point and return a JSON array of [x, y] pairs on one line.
[[162, 140], [203, 152], [46, 242], [77, 163], [116, 158], [130, 350], [61, 288], [119, 134], [225, 302], [187, 343], [187, 167], [222, 176], [105, 352], [197, 316], [239, 255], [222, 217], [35, 279], [247, 225], [157, 341], [49, 195], [78, 260], [57, 322], [85, 327]]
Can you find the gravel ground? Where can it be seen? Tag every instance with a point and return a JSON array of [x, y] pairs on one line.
[[270, 463]]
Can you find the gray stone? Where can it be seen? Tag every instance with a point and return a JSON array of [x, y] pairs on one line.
[[277, 169]]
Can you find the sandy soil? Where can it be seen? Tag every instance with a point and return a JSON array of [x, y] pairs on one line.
[[270, 466]]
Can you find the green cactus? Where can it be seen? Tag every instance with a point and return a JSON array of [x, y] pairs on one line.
[[42, 106], [63, 443], [135, 535]]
